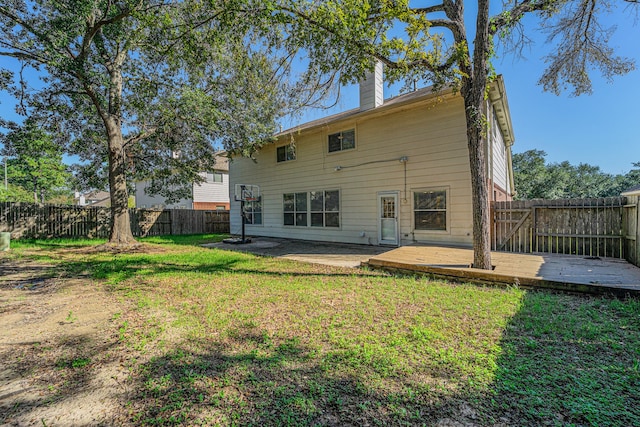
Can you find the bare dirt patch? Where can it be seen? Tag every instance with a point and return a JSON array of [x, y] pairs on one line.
[[59, 352], [139, 248]]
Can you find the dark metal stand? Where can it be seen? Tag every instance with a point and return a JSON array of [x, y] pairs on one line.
[[243, 239]]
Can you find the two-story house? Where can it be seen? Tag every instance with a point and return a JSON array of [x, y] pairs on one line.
[[392, 172]]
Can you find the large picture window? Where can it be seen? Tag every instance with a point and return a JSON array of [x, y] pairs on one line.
[[430, 209], [295, 209], [253, 212], [315, 208], [284, 153], [341, 141], [325, 208]]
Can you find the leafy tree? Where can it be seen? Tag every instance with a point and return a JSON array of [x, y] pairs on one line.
[[34, 161], [630, 180], [536, 179], [531, 176], [14, 193], [431, 43], [141, 88]]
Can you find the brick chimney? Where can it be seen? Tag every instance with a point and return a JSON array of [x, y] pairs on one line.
[[371, 89]]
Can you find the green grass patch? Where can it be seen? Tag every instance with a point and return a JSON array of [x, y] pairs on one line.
[[234, 339]]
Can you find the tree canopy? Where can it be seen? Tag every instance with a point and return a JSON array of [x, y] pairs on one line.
[[536, 179], [141, 89]]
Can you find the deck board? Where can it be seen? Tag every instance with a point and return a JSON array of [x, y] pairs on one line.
[[562, 272]]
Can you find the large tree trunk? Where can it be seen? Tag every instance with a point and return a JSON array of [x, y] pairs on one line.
[[473, 90], [479, 187], [120, 222]]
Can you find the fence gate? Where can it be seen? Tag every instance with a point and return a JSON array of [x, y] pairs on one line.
[[588, 227]]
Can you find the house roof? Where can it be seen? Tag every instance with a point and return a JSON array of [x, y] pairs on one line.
[[222, 161], [497, 96], [96, 198], [389, 104], [633, 191]]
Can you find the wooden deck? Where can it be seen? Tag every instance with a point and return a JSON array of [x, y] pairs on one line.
[[567, 273]]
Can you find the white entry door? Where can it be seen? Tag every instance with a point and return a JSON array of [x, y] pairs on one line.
[[388, 218]]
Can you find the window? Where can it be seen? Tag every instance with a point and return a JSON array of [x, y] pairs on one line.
[[342, 141], [252, 212], [295, 209], [214, 177], [430, 210], [316, 208], [285, 153], [325, 208]]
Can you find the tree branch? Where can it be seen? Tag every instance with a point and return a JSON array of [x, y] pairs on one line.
[[444, 23], [24, 56], [140, 136], [429, 9], [509, 17]]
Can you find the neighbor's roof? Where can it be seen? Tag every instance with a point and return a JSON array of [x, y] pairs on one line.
[[222, 161], [497, 96], [633, 191]]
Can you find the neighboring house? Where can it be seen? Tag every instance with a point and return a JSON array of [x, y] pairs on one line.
[[633, 191], [393, 172], [212, 194], [93, 198]]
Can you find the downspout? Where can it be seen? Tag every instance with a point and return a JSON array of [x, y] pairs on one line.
[[512, 186], [488, 159], [490, 151]]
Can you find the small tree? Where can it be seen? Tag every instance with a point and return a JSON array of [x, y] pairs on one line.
[[35, 161], [14, 193], [431, 43]]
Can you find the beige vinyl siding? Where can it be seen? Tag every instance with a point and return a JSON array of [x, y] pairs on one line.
[[431, 135], [498, 157], [212, 191]]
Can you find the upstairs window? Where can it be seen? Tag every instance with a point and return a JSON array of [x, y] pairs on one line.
[[341, 141], [284, 153], [214, 177]]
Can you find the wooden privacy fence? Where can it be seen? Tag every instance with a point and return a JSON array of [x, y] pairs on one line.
[[588, 227], [147, 222], [630, 219], [28, 220]]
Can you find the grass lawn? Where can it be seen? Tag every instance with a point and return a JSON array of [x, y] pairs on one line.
[[218, 337]]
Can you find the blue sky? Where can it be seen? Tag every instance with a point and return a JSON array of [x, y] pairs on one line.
[[602, 129]]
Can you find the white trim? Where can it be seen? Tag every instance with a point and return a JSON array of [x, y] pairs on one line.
[[396, 196], [447, 191], [295, 153], [348, 150]]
